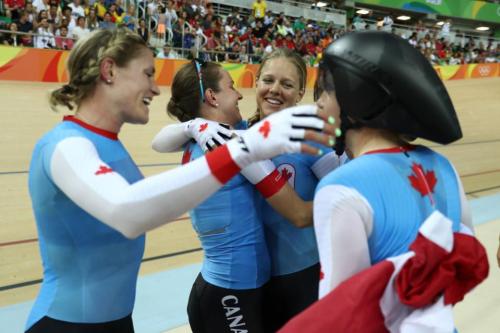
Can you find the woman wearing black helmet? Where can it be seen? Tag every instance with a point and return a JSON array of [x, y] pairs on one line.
[[384, 93], [389, 180]]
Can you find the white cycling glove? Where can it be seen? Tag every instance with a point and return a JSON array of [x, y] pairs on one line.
[[279, 133], [208, 134]]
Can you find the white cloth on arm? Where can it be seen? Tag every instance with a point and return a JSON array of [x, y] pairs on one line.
[[173, 137], [170, 138], [130, 209], [343, 221], [257, 171]]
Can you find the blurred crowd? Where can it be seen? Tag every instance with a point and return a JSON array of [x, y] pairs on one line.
[[191, 28]]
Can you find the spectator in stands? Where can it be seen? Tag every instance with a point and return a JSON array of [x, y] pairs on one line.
[[244, 58], [268, 18], [77, 9], [167, 53], [199, 7], [445, 30], [259, 8], [130, 19], [387, 23], [80, 30], [41, 5], [107, 23], [62, 41], [45, 37], [31, 11], [289, 43], [12, 39], [24, 25], [53, 14], [233, 53], [100, 9], [177, 32], [143, 30], [413, 39], [117, 15], [67, 13], [15, 7], [41, 15], [270, 47], [358, 23], [421, 29], [299, 24], [171, 15], [188, 9], [92, 19]]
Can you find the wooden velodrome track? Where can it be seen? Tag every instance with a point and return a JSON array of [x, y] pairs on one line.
[[26, 116]]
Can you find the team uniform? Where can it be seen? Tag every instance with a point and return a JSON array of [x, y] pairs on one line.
[[227, 295], [81, 285], [293, 250], [382, 198]]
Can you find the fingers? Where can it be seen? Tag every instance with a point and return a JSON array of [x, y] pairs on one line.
[[319, 137], [308, 123], [219, 139], [307, 149], [224, 137], [332, 130], [224, 131], [304, 110], [208, 147]]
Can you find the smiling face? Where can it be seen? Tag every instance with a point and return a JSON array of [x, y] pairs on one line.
[[227, 99], [134, 87], [278, 86]]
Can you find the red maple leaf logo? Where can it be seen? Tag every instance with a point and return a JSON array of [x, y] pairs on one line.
[[203, 127], [103, 170], [186, 157], [285, 173], [265, 129], [423, 182], [321, 274]]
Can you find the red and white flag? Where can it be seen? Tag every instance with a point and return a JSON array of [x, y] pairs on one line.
[[410, 293]]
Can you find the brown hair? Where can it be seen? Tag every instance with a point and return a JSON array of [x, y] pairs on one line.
[[121, 44], [185, 103], [295, 59]]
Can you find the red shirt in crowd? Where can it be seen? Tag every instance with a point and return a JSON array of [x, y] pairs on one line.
[[15, 3]]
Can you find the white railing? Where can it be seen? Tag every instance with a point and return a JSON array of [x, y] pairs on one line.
[[335, 16]]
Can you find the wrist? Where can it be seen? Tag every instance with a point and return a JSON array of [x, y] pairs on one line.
[[239, 152]]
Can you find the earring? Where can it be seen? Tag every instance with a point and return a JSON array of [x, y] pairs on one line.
[[108, 81], [216, 104]]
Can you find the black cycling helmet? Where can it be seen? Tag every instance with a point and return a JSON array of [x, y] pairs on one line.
[[381, 81]]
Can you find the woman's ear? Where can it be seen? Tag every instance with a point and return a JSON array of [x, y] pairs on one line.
[[106, 70], [211, 98]]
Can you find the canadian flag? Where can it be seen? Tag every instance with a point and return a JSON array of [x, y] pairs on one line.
[[410, 293]]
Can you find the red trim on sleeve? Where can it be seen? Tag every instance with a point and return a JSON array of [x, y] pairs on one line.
[[107, 134], [271, 184], [221, 164]]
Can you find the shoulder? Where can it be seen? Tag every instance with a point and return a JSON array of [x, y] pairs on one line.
[[358, 170]]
